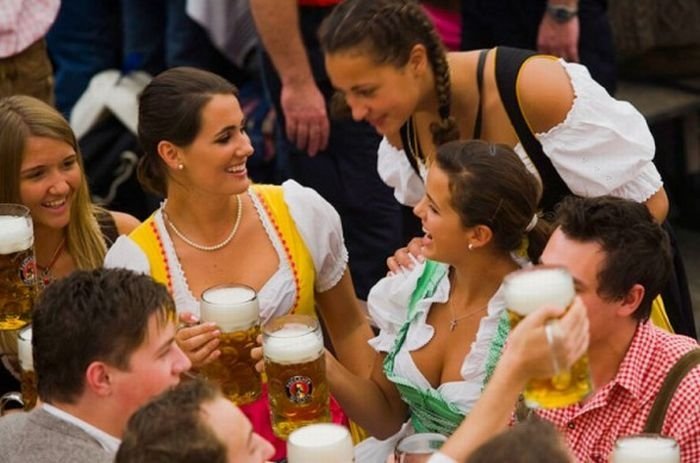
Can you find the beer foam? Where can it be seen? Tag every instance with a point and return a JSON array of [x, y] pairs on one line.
[[15, 234], [24, 349], [294, 343], [320, 442], [528, 290], [230, 307], [643, 449]]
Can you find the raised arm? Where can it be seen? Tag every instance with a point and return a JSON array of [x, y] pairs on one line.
[[302, 102]]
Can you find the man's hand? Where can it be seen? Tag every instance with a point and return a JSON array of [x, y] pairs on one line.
[[559, 39], [306, 118]]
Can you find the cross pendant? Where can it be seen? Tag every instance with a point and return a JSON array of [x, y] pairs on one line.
[[453, 325]]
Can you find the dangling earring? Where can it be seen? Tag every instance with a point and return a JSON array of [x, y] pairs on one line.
[[180, 166], [470, 247]]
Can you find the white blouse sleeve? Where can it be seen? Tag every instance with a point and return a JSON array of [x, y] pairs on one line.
[[124, 253], [604, 146], [319, 226], [395, 170]]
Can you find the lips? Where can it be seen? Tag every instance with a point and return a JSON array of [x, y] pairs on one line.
[[236, 169], [55, 204]]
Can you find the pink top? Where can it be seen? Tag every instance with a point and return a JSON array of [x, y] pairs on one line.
[[448, 24], [23, 22]]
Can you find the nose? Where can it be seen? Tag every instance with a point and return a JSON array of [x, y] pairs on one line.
[[59, 186], [182, 363], [419, 209], [359, 111], [246, 147]]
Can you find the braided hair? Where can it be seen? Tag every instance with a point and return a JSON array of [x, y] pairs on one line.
[[388, 30]]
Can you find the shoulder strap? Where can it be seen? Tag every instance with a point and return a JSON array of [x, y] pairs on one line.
[[683, 366], [509, 61], [108, 227], [480, 86]]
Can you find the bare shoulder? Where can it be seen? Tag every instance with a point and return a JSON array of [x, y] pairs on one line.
[[545, 93], [125, 222]]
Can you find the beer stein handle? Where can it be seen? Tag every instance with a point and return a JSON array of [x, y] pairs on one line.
[[8, 398]]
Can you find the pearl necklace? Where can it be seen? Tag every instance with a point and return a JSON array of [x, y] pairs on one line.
[[214, 247]]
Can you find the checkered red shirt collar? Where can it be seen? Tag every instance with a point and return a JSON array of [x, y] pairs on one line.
[[630, 374]]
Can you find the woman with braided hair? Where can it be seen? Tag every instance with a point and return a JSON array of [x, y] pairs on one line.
[[389, 67]]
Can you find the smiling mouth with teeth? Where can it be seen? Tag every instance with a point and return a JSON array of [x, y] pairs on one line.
[[236, 169], [57, 203]]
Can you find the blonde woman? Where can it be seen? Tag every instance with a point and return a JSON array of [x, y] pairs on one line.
[[41, 168]]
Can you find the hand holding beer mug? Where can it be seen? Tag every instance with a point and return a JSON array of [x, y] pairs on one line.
[[418, 448], [296, 373], [320, 443], [646, 448], [526, 291], [18, 281], [234, 308]]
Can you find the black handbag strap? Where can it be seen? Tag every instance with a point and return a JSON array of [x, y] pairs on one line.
[[683, 366], [508, 64]]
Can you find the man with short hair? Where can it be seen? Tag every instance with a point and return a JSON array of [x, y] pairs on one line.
[[619, 259], [103, 345], [192, 423]]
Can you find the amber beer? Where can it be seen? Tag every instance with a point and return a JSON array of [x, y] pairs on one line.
[[235, 310], [526, 291], [26, 363], [296, 373], [18, 282]]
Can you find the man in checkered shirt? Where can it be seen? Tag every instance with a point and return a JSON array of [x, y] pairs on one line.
[[620, 259]]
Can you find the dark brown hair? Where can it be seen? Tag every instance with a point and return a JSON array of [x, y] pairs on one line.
[[637, 250], [88, 316], [170, 429], [533, 441], [489, 185], [170, 108], [388, 30]]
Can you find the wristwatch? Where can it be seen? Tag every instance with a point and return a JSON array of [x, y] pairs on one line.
[[561, 13]]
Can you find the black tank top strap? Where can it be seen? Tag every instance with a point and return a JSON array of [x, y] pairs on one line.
[[108, 227], [509, 61], [480, 89], [411, 147]]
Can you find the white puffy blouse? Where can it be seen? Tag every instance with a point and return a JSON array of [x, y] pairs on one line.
[[603, 147], [317, 222]]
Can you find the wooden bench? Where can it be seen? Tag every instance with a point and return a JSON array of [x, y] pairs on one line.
[[661, 103]]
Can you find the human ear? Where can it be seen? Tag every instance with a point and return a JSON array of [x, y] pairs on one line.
[[630, 303], [97, 378], [170, 154], [418, 59], [479, 236]]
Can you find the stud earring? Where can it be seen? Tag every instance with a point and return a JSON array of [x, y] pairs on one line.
[[180, 166], [470, 247]]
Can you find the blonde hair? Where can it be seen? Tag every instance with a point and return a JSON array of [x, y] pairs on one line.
[[22, 117]]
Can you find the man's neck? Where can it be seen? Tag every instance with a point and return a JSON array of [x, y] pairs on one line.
[[92, 414], [606, 355]]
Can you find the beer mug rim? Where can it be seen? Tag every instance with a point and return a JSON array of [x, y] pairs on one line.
[[672, 443], [225, 286], [22, 332], [21, 209], [407, 445], [271, 327], [533, 268]]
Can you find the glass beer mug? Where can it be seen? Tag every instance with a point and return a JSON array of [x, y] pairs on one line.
[[235, 310], [646, 448], [320, 443], [526, 291], [296, 373], [28, 394], [18, 282]]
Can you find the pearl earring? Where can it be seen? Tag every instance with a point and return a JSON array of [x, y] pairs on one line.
[[180, 166], [470, 247]]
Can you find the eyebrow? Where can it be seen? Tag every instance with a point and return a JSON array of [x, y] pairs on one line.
[[432, 200], [231, 127], [40, 166]]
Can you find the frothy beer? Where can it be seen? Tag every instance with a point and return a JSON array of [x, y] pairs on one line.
[[26, 363], [17, 267], [320, 443], [296, 372], [646, 448], [526, 291], [235, 310]]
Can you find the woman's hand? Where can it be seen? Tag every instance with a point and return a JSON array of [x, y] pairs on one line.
[[199, 341], [538, 354], [406, 258], [256, 353]]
